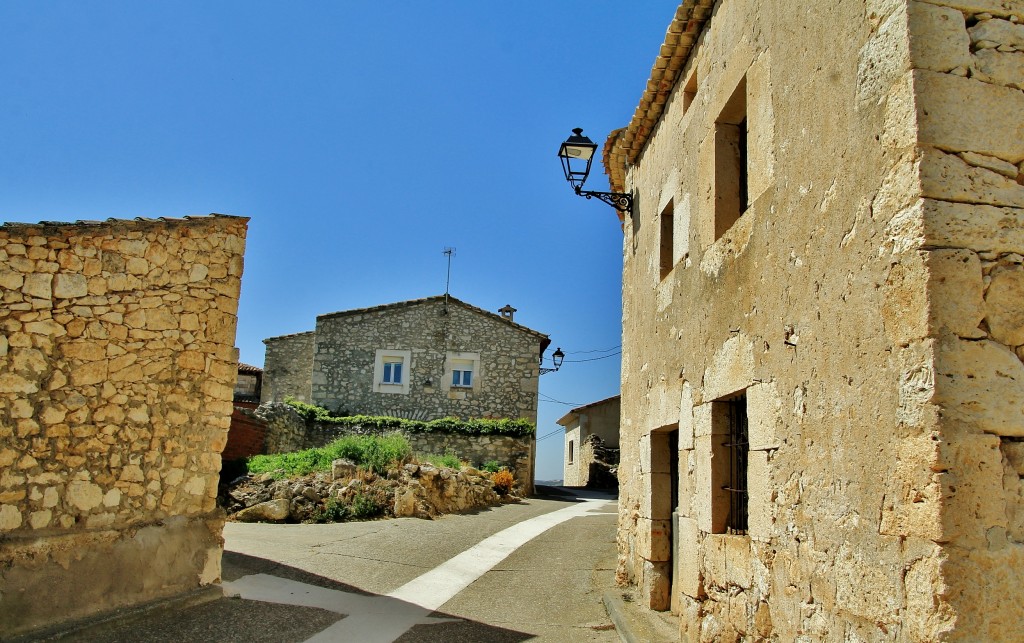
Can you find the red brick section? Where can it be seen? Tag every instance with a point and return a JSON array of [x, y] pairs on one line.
[[245, 437]]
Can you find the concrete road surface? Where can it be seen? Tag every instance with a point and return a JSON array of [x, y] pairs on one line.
[[529, 571]]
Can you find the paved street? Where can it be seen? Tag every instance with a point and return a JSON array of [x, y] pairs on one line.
[[530, 571]]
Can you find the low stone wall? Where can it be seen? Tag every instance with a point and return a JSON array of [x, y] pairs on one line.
[[117, 367], [286, 431]]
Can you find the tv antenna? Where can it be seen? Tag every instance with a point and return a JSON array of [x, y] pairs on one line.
[[448, 252]]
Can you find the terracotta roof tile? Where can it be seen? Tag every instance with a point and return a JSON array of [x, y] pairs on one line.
[[623, 146]]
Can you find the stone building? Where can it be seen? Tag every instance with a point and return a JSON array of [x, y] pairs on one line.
[[117, 363], [600, 419], [823, 322], [421, 359]]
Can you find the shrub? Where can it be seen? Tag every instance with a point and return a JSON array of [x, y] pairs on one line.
[[332, 511], [503, 481], [491, 466], [312, 414], [449, 460], [364, 506]]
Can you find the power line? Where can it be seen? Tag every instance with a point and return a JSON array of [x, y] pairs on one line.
[[554, 401], [551, 435], [598, 350], [593, 358]]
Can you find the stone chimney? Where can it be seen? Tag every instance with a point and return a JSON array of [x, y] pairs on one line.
[[508, 312]]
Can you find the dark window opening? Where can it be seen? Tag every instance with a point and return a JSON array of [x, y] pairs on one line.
[[731, 158], [737, 444], [570, 451], [667, 242]]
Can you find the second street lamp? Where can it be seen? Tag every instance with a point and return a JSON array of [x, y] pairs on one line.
[[576, 154], [556, 359]]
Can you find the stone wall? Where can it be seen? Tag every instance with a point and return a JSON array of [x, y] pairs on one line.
[[967, 62], [286, 431], [861, 307], [288, 368], [117, 365]]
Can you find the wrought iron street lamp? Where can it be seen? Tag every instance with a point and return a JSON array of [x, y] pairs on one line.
[[556, 359], [577, 153]]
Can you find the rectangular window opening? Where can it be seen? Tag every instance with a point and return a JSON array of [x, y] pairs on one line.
[[689, 91], [737, 444], [667, 242], [462, 373], [729, 466], [731, 160], [392, 372], [570, 451]]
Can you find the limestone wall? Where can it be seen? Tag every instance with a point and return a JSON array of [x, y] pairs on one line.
[[864, 305], [117, 365], [288, 368], [968, 70]]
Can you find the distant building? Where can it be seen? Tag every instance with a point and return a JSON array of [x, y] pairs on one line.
[[422, 359], [582, 424], [248, 385]]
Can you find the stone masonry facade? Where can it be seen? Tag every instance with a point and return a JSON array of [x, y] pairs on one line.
[[823, 290], [288, 368], [431, 338], [435, 332], [117, 364]]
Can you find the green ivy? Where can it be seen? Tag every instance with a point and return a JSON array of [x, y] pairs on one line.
[[313, 414]]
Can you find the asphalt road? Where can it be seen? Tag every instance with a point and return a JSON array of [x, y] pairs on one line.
[[529, 571]]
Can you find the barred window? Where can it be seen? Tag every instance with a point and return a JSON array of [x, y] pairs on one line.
[[737, 445]]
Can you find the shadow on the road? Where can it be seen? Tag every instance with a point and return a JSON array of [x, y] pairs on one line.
[[573, 494], [236, 619]]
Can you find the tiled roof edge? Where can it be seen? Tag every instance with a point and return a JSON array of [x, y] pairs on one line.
[[623, 146], [423, 300]]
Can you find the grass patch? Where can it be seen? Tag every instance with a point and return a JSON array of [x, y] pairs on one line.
[[375, 453], [449, 460]]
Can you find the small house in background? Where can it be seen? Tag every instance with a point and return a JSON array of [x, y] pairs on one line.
[[248, 386], [421, 359], [591, 440]]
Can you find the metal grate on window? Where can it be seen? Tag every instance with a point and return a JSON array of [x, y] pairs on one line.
[[737, 444]]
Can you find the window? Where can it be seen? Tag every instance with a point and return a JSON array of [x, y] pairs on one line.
[[689, 91], [462, 375], [570, 451], [392, 371], [462, 372], [731, 173], [729, 499], [667, 247]]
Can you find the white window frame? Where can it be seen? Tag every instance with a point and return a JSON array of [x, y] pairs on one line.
[[462, 367], [383, 356], [456, 359]]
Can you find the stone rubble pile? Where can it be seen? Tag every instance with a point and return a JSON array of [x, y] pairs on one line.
[[414, 490]]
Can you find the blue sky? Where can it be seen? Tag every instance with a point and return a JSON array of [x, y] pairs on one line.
[[362, 138]]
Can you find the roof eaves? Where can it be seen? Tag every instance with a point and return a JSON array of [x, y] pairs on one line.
[[415, 302], [623, 146]]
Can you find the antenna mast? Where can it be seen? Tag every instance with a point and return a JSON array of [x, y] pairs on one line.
[[448, 279]]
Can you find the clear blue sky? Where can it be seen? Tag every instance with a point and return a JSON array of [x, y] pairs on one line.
[[360, 137]]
